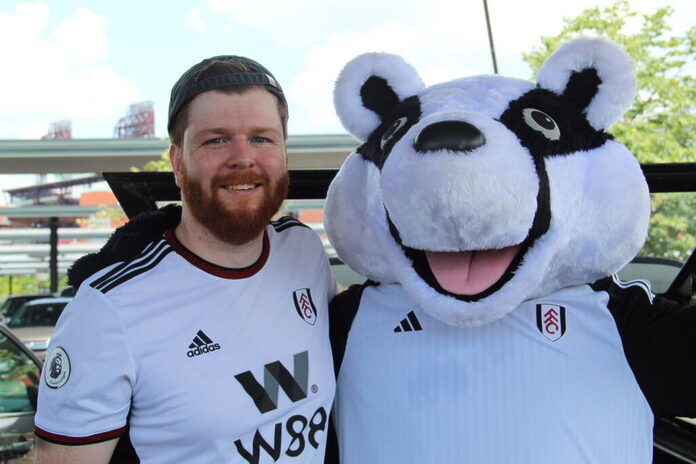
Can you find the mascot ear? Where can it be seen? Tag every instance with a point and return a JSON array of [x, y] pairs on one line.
[[368, 89], [594, 73]]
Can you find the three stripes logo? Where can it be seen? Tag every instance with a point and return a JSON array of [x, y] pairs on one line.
[[551, 320], [409, 324], [202, 344], [275, 377], [304, 305]]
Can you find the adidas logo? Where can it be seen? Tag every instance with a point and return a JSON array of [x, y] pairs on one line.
[[202, 344], [409, 324]]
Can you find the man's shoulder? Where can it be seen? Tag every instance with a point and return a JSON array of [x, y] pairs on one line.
[[114, 275]]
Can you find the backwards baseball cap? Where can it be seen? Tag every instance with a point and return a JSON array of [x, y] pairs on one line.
[[188, 87]]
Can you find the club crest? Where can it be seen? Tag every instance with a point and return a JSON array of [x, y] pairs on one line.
[[57, 368], [551, 320], [304, 305]]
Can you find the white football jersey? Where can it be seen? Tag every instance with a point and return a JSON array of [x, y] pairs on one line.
[[190, 362], [548, 383]]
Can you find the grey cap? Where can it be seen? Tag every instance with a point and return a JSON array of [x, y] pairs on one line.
[[186, 87]]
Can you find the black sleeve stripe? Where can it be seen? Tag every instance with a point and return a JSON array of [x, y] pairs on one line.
[[118, 268], [133, 266], [128, 266], [137, 272], [659, 341], [286, 222], [342, 311]]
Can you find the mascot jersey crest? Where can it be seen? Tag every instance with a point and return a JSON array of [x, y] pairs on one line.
[[489, 214]]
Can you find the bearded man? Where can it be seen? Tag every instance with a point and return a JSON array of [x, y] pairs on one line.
[[209, 343]]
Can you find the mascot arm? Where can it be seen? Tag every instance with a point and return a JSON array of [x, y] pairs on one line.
[[341, 314], [659, 339]]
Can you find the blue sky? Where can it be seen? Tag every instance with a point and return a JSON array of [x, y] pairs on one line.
[[86, 61]]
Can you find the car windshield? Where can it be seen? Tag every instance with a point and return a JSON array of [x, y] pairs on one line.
[[37, 315]]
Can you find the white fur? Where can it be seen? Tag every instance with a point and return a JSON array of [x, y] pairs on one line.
[[401, 76], [614, 68], [486, 198]]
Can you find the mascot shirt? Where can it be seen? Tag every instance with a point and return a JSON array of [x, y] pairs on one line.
[[541, 377]]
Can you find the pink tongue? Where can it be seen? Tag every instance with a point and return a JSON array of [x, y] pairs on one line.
[[470, 272]]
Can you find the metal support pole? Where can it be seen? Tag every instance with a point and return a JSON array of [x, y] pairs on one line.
[[490, 37], [53, 263]]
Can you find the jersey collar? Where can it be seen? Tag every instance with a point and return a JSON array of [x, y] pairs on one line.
[[214, 269]]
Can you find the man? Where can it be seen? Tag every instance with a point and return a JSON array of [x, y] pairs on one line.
[[211, 344]]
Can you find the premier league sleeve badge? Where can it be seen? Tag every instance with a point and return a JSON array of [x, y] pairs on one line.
[[57, 368]]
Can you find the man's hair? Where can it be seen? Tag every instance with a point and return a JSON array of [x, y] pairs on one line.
[[216, 68]]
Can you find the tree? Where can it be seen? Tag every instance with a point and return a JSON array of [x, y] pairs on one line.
[[659, 127]]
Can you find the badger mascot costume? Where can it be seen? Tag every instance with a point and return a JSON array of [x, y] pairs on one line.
[[489, 214]]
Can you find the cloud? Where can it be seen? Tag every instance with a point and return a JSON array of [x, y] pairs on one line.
[[194, 19], [57, 74], [440, 47]]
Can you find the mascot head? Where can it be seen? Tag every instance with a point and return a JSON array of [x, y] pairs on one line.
[[482, 192]]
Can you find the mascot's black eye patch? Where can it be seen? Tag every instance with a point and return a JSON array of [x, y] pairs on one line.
[[380, 143], [549, 124]]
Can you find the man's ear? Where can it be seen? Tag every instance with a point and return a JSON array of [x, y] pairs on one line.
[[175, 155]]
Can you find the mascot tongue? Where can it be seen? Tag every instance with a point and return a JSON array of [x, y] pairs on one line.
[[470, 272]]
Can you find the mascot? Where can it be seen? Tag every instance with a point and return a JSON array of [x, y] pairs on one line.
[[489, 214]]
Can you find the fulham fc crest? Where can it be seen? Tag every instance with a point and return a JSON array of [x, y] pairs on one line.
[[304, 305], [551, 320]]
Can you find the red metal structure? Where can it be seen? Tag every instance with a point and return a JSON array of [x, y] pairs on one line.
[[59, 130], [139, 122]]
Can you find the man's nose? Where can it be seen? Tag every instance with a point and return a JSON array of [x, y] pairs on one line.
[[240, 155]]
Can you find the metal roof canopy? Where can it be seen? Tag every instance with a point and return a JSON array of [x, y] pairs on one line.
[[140, 191], [96, 155]]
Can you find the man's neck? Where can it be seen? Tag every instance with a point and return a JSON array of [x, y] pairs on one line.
[[201, 242]]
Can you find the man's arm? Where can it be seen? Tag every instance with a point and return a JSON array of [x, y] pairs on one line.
[[52, 453]]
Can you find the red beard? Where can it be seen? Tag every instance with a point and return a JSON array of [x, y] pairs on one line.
[[240, 223]]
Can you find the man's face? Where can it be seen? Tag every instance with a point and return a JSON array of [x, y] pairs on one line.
[[231, 165]]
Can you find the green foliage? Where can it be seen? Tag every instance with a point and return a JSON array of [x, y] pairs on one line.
[[161, 165], [35, 283], [659, 127]]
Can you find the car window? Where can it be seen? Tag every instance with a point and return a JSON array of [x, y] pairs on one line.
[[37, 315], [671, 240], [19, 378]]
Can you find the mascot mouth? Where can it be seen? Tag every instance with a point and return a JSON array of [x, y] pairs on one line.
[[469, 272], [465, 275]]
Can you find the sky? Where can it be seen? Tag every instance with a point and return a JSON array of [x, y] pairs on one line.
[[88, 60]]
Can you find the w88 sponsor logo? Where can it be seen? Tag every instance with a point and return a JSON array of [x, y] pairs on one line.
[[297, 432]]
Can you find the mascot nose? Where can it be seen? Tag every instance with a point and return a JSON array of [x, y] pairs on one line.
[[449, 135]]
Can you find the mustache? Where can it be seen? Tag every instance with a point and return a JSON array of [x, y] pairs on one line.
[[242, 177]]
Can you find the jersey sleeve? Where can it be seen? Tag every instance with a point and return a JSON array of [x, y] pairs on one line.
[[87, 379], [659, 340]]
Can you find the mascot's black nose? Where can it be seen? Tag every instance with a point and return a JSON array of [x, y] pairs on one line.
[[449, 135]]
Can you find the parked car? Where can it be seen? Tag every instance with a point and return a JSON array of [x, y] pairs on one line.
[[34, 322], [14, 302], [20, 371]]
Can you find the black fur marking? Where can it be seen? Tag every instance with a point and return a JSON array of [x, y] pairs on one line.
[[378, 96], [575, 132], [582, 87], [126, 242], [371, 150]]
